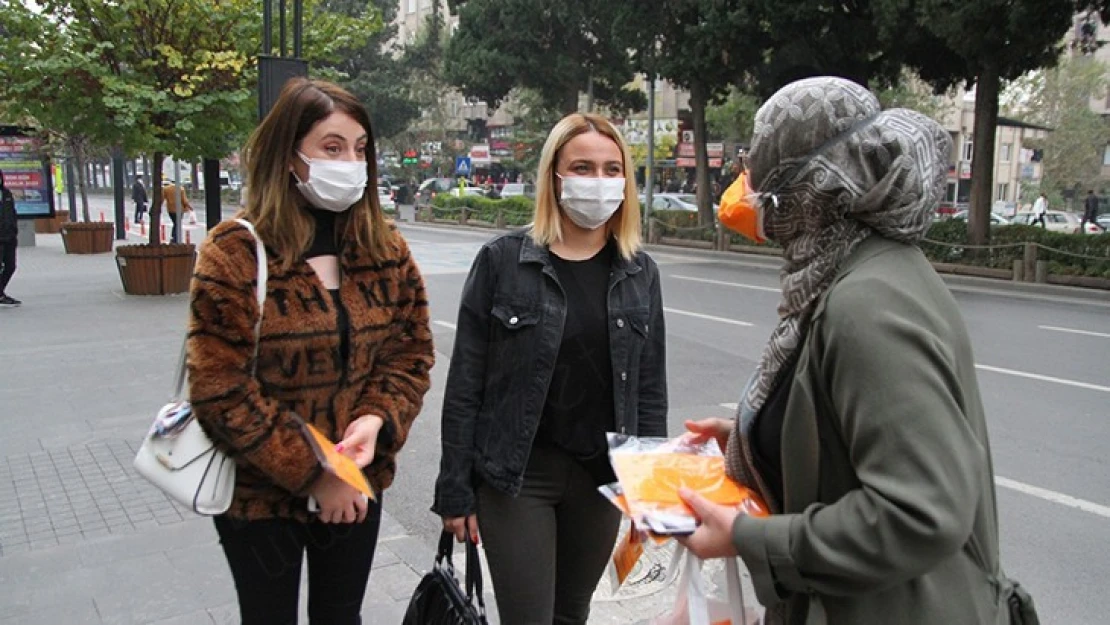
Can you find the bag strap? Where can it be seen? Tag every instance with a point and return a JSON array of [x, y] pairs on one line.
[[474, 575], [263, 273]]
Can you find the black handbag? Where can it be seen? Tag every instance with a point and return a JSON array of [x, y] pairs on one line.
[[439, 600]]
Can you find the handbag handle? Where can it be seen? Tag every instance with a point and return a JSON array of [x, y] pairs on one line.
[[259, 296], [473, 566]]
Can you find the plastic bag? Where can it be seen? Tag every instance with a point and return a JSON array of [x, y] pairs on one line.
[[694, 605], [652, 470]]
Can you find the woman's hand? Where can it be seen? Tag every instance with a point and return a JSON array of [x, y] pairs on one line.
[[458, 525], [713, 538], [717, 428], [361, 438], [339, 501]]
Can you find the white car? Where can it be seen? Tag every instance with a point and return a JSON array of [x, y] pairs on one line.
[[385, 198], [1057, 221], [996, 219], [516, 189], [467, 191], [673, 202]]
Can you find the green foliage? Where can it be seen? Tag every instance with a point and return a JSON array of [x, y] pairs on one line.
[[517, 211], [733, 119], [1059, 98], [554, 47], [1069, 254], [373, 73]]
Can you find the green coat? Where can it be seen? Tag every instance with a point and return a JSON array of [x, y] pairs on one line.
[[889, 511]]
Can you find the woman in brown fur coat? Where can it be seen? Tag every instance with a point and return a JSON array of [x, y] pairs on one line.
[[344, 345]]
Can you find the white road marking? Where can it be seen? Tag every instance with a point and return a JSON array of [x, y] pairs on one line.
[[444, 324], [732, 406], [1043, 378], [1073, 331], [1053, 496], [709, 317], [1035, 491], [723, 283]]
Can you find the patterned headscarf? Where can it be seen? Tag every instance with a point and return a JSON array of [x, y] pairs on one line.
[[840, 170]]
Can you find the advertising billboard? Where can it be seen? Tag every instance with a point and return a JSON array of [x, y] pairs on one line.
[[26, 173]]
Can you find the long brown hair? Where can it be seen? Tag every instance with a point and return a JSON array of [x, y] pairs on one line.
[[272, 198]]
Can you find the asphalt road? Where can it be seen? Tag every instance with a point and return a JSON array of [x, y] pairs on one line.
[[1044, 376]]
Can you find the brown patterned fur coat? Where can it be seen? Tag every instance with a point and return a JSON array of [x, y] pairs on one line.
[[300, 374]]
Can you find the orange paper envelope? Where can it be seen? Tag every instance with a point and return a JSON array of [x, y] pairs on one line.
[[654, 479], [339, 465]]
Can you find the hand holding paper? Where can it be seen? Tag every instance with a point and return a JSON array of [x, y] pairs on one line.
[[336, 463]]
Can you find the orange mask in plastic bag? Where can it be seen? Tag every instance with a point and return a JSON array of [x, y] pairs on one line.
[[741, 210]]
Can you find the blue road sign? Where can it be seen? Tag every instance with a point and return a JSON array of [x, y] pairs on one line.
[[462, 165]]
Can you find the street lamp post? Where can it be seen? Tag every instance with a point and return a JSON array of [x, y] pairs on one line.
[[649, 177]]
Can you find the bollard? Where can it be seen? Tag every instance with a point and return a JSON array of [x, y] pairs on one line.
[[162, 231], [188, 237], [1030, 261], [1019, 270], [1042, 271], [500, 224], [142, 228], [462, 216], [101, 216]]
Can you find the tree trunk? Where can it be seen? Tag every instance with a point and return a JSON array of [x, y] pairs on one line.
[[570, 101], [701, 158], [195, 178], [982, 160], [82, 171], [156, 199]]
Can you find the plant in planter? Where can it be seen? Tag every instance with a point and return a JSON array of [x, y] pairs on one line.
[[89, 237], [51, 225]]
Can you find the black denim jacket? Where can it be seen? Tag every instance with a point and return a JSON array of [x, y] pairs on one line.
[[509, 331]]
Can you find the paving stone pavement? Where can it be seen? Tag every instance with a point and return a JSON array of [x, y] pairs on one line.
[[83, 539]]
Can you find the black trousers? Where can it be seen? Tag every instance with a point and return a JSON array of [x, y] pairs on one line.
[[7, 264], [140, 210], [547, 547], [173, 234], [265, 559]]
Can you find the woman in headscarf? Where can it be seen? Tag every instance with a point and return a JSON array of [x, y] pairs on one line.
[[862, 426]]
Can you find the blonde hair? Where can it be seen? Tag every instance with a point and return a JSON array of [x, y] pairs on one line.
[[547, 226], [272, 204]]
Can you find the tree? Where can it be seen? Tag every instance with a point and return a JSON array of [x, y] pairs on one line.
[[980, 42], [1059, 98], [558, 48], [694, 45], [162, 76], [373, 72], [733, 119]]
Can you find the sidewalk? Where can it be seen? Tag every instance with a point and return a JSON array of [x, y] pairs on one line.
[[83, 539]]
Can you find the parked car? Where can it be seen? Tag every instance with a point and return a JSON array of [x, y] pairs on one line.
[[432, 187], [1057, 221], [467, 191], [996, 219], [518, 189], [673, 202], [1104, 221], [385, 198]]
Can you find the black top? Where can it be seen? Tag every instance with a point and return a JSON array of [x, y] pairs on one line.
[[323, 242], [766, 436], [579, 408]]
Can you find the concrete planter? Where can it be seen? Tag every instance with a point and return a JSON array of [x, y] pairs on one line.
[[156, 269]]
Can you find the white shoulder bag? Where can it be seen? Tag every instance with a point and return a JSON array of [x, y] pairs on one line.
[[176, 455]]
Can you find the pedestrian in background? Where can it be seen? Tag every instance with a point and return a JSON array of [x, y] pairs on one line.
[[344, 344], [173, 198], [1040, 209], [9, 241], [1090, 211], [862, 426], [560, 339], [138, 195]]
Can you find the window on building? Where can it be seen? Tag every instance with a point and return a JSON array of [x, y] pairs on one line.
[[1106, 156], [1003, 191], [968, 150], [425, 4], [412, 6], [1004, 153]]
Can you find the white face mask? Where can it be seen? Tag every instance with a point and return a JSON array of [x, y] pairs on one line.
[[332, 185], [590, 202]]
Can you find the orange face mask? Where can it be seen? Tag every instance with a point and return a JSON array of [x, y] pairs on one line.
[[741, 210]]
